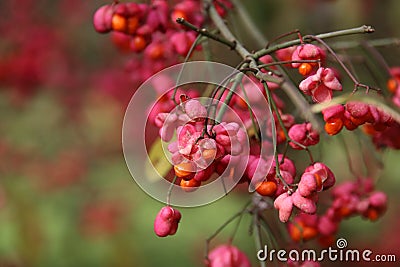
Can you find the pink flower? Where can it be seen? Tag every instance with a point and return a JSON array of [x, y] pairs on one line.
[[320, 85], [227, 256], [166, 222], [303, 134]]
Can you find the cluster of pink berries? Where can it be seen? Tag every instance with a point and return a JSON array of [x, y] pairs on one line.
[[196, 154], [151, 32], [348, 199], [196, 158], [320, 82], [135, 26], [192, 151], [376, 122], [354, 114], [152, 28], [316, 177]]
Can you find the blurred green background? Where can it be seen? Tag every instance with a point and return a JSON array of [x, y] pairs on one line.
[[66, 196]]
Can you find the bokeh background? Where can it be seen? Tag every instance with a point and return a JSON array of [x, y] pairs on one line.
[[66, 196]]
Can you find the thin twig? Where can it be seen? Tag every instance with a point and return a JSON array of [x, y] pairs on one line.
[[170, 190], [384, 42], [357, 30], [205, 32], [226, 223], [195, 43], [348, 72], [377, 56], [286, 86], [257, 235]]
